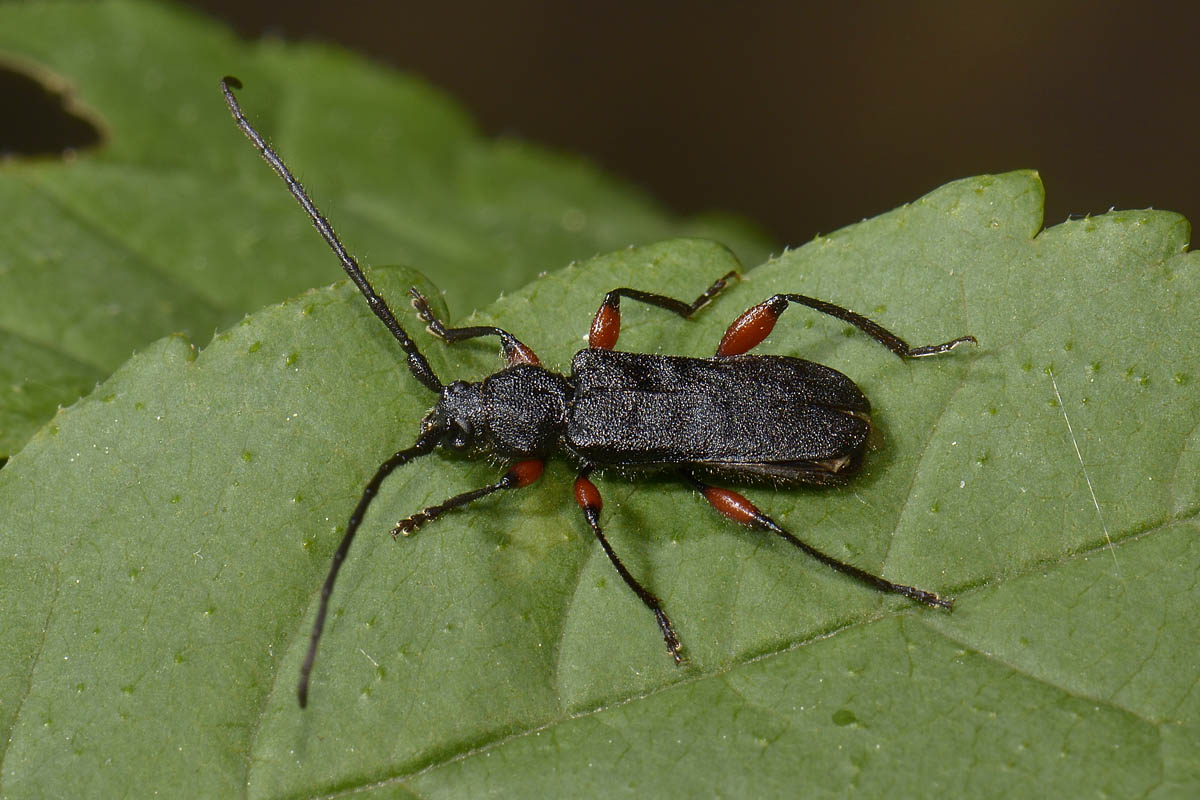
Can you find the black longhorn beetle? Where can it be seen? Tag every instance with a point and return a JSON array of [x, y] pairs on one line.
[[734, 417]]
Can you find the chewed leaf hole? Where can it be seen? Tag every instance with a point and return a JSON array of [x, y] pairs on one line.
[[50, 122]]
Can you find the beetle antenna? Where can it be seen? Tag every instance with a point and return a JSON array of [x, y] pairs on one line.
[[424, 445], [416, 361]]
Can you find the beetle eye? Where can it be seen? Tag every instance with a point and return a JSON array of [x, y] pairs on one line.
[[460, 436]]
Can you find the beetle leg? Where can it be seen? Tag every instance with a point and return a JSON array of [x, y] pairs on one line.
[[739, 509], [756, 323], [515, 351], [588, 498], [606, 325], [518, 476]]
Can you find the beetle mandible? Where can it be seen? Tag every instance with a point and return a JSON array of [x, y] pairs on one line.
[[734, 416]]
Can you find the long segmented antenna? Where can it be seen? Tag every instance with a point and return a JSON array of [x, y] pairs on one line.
[[423, 445], [416, 362]]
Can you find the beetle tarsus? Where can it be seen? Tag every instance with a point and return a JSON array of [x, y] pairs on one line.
[[515, 351], [935, 349], [674, 647]]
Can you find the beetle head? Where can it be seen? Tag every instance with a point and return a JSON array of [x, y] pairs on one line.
[[458, 415]]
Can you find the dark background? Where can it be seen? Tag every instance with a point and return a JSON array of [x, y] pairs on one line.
[[805, 119]]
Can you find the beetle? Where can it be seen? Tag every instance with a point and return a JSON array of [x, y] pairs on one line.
[[733, 416]]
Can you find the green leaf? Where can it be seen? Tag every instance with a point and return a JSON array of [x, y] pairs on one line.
[[166, 537], [175, 225]]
